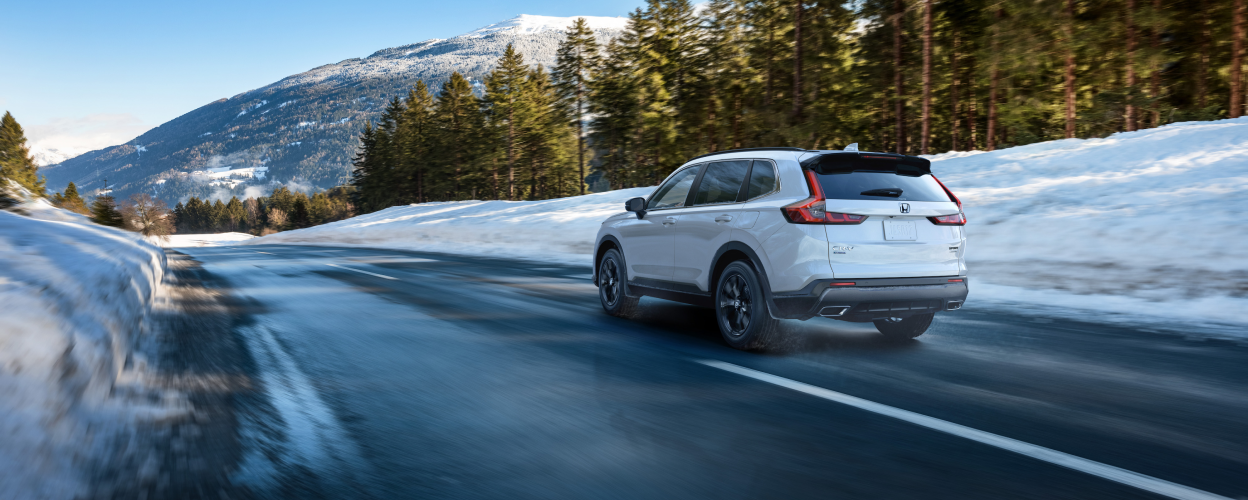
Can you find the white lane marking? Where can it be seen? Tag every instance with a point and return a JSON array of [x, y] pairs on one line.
[[362, 271], [1141, 481], [266, 253]]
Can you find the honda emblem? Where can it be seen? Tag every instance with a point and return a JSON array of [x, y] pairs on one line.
[[905, 208]]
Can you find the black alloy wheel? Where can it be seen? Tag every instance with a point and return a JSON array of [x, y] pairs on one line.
[[741, 309], [611, 286]]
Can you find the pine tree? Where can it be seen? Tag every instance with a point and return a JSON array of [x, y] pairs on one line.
[[15, 161], [417, 127], [505, 101], [576, 58], [104, 212], [458, 116]]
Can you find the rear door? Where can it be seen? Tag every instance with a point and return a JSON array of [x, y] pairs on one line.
[[649, 242], [897, 240], [708, 223]]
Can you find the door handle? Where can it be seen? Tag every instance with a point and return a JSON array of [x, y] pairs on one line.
[[723, 218], [669, 221]]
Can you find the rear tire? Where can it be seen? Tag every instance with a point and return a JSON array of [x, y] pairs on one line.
[[905, 329], [741, 309], [611, 286]]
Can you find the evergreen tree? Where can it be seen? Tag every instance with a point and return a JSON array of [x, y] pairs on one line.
[[15, 162], [505, 106], [576, 58], [104, 212], [458, 117]]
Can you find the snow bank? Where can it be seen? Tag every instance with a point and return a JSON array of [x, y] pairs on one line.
[[559, 230], [1146, 224], [199, 240], [74, 299]]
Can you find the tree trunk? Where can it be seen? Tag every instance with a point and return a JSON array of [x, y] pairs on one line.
[[1154, 78], [1070, 68], [1237, 51], [494, 168], [797, 61], [1202, 68], [712, 135], [580, 138], [736, 120], [899, 113], [953, 93], [511, 159], [926, 137], [993, 79], [771, 40], [972, 127], [1130, 24]]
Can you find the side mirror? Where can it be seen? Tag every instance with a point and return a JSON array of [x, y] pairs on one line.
[[637, 205]]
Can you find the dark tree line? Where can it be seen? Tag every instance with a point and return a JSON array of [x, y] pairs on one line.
[[282, 210], [911, 76]]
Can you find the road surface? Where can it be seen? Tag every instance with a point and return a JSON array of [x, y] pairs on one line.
[[387, 374]]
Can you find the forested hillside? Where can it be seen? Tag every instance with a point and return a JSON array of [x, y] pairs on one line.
[[910, 76], [305, 127]]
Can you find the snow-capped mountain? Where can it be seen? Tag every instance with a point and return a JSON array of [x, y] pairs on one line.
[[306, 126], [51, 156]]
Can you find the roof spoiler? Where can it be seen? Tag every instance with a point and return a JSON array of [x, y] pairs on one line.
[[847, 161]]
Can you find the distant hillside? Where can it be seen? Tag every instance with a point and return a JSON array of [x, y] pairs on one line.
[[304, 128]]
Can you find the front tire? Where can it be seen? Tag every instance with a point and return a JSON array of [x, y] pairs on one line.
[[611, 286], [741, 309], [906, 329]]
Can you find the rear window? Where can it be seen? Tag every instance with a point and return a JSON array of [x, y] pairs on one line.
[[877, 180]]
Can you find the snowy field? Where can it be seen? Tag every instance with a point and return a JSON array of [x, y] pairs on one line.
[[1139, 226], [75, 299], [199, 240]]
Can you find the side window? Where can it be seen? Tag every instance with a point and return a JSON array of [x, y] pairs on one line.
[[674, 192], [762, 180], [722, 182]]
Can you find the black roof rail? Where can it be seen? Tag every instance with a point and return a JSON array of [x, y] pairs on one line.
[[726, 151]]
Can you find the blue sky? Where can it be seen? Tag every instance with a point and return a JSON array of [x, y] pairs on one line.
[[89, 74]]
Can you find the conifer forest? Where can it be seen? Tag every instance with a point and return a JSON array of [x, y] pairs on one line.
[[906, 76]]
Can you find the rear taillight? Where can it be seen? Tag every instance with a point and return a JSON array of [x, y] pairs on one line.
[[949, 220], [811, 210]]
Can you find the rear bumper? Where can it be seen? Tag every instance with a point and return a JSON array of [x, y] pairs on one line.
[[871, 299]]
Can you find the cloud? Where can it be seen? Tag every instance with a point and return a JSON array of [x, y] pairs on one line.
[[85, 133]]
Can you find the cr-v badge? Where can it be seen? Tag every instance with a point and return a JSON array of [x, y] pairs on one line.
[[905, 208]]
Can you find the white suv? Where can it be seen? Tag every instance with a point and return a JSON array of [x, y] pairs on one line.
[[773, 233]]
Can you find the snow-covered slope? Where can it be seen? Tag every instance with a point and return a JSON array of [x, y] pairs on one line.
[[74, 300], [472, 53], [1139, 223], [52, 156]]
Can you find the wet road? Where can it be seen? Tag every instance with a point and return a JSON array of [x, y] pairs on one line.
[[391, 374]]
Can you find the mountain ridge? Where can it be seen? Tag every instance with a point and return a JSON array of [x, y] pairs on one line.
[[304, 127]]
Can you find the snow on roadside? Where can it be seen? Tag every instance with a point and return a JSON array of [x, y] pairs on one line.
[[558, 230], [199, 240], [74, 301], [1146, 224]]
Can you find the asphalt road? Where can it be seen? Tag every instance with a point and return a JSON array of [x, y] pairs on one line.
[[390, 374]]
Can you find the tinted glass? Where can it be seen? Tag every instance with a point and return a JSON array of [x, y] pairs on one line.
[[722, 182], [675, 191], [762, 180], [850, 185]]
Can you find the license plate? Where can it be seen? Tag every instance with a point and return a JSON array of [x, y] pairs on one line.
[[900, 230]]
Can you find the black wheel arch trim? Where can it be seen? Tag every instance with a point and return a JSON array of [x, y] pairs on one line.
[[754, 261], [598, 253]]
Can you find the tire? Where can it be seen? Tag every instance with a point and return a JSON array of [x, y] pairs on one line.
[[611, 286], [741, 309], [905, 329]]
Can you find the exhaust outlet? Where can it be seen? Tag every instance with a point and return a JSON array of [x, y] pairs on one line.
[[833, 311], [954, 305]]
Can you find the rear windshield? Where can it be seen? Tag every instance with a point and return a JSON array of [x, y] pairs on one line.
[[877, 180]]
